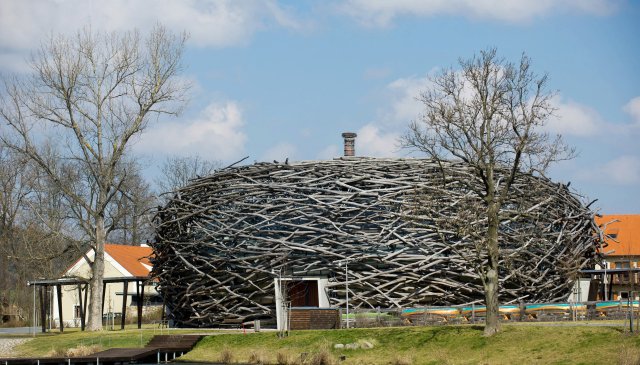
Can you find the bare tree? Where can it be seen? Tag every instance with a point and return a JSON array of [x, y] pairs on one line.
[[91, 94], [177, 171], [488, 114], [32, 222], [131, 210]]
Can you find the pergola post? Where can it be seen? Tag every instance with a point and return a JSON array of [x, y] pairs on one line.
[[59, 295], [125, 295], [86, 301], [104, 292], [81, 307], [610, 281], [140, 293], [43, 309]]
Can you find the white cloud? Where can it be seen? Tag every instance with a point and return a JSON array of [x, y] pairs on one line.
[[574, 119], [216, 134], [374, 142], [404, 103], [633, 109], [280, 152], [379, 138], [371, 141], [219, 23], [383, 12], [623, 170]]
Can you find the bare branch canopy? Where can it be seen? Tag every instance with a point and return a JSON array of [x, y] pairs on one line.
[[86, 98], [489, 114]]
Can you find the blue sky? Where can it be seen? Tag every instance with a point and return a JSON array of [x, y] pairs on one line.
[[284, 79]]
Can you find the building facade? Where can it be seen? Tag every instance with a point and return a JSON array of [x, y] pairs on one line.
[[622, 255], [121, 262]]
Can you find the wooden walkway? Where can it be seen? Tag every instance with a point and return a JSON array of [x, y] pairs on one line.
[[160, 349]]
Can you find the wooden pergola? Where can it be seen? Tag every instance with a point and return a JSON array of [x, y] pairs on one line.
[[83, 284]]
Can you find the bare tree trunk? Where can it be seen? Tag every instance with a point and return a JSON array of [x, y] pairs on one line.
[[491, 283], [97, 270]]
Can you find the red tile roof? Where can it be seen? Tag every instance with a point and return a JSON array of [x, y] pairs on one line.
[[626, 230], [131, 258]]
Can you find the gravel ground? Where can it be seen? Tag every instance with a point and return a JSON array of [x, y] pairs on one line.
[[7, 345]]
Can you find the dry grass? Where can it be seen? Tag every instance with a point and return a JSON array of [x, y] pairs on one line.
[[629, 355], [401, 360], [324, 357], [78, 351], [257, 357], [226, 356], [283, 358]]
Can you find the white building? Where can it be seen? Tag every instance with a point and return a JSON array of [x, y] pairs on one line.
[[122, 263]]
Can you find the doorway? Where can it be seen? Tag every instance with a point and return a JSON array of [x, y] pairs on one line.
[[303, 293]]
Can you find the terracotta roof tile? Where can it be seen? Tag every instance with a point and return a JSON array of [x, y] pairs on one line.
[[131, 258], [626, 230]]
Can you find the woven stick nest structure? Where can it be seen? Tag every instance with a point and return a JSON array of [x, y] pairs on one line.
[[410, 229]]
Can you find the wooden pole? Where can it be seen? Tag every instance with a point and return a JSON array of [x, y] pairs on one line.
[[104, 292], [81, 307], [86, 301], [140, 293], [43, 309], [59, 295], [125, 295]]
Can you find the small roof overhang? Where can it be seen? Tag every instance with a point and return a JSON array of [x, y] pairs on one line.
[[79, 281], [610, 271]]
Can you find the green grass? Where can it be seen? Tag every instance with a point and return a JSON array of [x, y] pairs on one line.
[[435, 345], [46, 344], [517, 344]]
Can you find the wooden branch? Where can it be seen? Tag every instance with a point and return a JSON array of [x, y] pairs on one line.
[[412, 239]]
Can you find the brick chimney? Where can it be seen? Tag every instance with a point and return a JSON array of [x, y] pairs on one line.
[[349, 144]]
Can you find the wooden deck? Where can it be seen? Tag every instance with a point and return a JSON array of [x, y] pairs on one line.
[[160, 349]]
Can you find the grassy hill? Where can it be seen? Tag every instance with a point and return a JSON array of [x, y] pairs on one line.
[[517, 344]]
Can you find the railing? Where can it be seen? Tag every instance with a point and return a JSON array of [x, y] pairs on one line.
[[625, 279], [525, 312]]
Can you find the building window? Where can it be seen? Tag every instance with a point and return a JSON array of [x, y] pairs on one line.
[[624, 276], [76, 311]]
